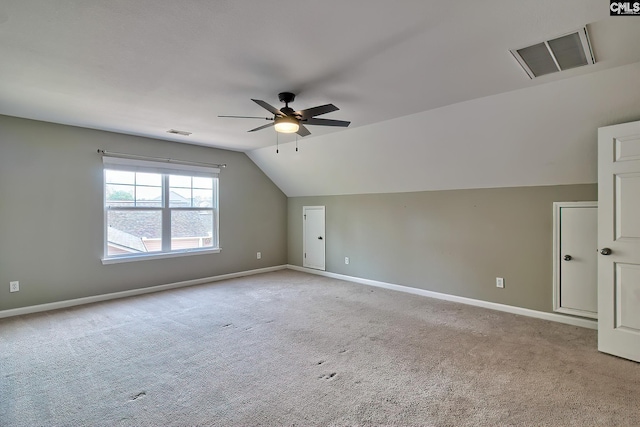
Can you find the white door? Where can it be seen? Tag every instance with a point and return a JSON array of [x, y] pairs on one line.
[[619, 240], [576, 260], [313, 237]]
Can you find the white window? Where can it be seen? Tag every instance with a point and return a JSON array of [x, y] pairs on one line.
[[158, 210]]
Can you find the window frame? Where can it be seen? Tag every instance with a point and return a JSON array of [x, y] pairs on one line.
[[165, 170]]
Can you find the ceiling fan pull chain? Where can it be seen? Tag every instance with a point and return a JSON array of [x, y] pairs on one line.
[[296, 142], [277, 151]]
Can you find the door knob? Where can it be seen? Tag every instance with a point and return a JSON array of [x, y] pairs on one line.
[[605, 251], [567, 258], [319, 237]]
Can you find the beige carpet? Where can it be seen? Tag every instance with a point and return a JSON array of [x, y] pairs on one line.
[[287, 348]]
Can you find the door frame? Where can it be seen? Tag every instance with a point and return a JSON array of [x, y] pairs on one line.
[[304, 236], [557, 206]]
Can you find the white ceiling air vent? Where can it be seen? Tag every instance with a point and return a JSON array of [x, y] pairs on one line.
[[179, 132], [558, 54]]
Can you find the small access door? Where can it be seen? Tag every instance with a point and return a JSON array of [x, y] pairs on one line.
[[576, 260], [313, 246], [619, 240]]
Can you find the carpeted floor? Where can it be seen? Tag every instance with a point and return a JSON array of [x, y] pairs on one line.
[[288, 348]]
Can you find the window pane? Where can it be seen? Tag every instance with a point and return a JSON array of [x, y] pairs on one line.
[[133, 232], [154, 179], [119, 195], [180, 197], [148, 196], [191, 229], [120, 177], [137, 203], [202, 198], [179, 181], [202, 182]]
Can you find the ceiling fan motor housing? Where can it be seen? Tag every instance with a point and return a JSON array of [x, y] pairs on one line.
[[288, 111]]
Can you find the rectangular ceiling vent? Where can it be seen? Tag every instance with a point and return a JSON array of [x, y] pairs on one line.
[[179, 132], [558, 54]]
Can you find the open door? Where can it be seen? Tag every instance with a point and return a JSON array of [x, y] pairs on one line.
[[313, 237], [619, 240]]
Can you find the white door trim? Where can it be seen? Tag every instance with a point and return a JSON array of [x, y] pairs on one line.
[[557, 206]]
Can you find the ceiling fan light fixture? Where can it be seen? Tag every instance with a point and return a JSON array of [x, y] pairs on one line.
[[286, 125]]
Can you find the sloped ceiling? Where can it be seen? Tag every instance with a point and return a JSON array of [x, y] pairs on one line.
[[435, 98], [545, 135]]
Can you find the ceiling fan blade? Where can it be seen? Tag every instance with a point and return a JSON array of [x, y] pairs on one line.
[[248, 117], [303, 131], [261, 127], [268, 107], [316, 111], [327, 122]]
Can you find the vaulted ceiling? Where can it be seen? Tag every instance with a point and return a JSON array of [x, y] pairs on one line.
[[435, 98]]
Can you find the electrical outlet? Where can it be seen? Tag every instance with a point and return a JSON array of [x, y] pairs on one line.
[[14, 286], [259, 255], [499, 282], [346, 260]]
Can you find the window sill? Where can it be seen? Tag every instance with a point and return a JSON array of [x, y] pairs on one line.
[[132, 258]]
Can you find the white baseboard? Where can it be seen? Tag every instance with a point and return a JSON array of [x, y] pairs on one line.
[[575, 321], [132, 292]]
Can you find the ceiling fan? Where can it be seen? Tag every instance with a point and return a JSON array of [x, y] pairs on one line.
[[286, 120]]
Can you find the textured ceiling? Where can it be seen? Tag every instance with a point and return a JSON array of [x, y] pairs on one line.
[[145, 66]]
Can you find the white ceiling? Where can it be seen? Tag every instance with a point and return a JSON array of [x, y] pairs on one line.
[[430, 87]]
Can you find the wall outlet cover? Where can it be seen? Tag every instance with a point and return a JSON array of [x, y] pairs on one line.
[[259, 255], [14, 286], [346, 260]]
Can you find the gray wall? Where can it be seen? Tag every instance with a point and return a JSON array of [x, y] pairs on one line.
[[51, 215], [455, 242]]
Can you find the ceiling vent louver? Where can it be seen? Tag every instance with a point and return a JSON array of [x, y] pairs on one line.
[[558, 54]]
